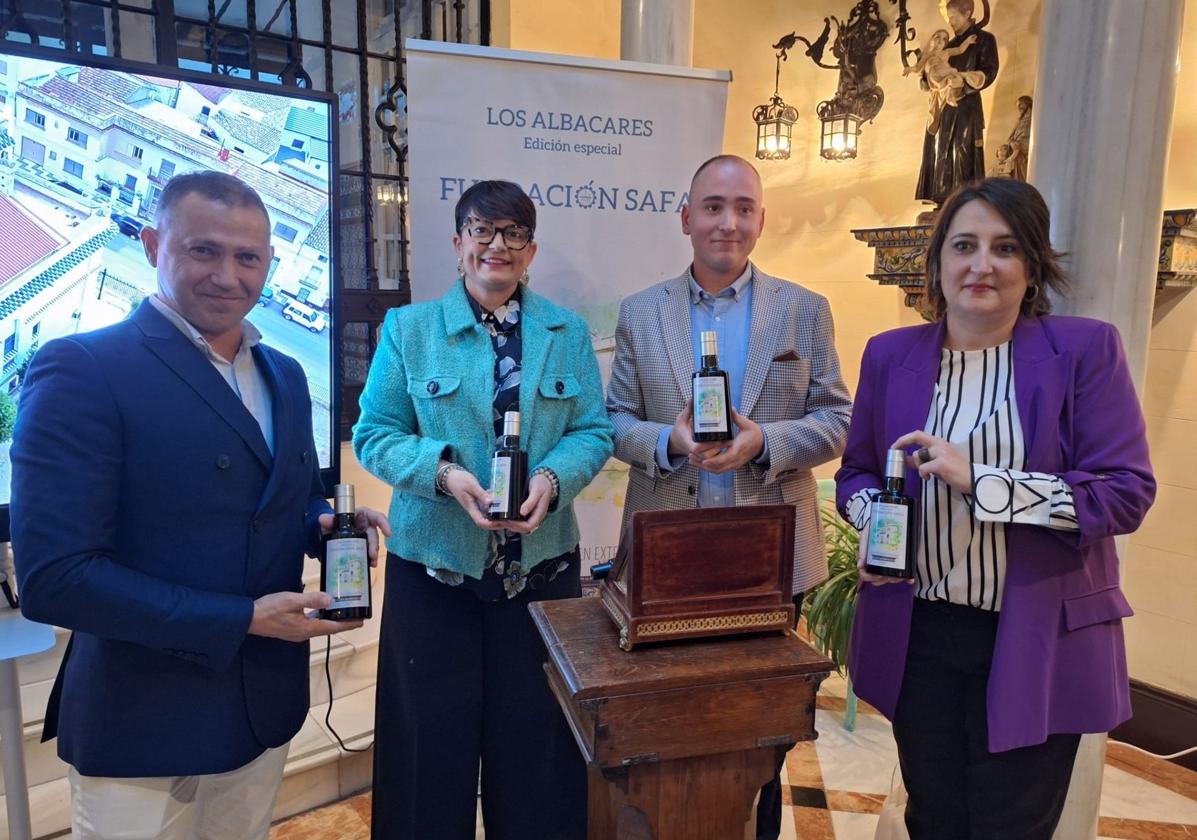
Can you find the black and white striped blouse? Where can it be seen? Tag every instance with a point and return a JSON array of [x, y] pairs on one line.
[[962, 547]]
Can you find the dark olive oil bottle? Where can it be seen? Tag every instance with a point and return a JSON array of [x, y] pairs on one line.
[[508, 473], [891, 537], [345, 572], [712, 403]]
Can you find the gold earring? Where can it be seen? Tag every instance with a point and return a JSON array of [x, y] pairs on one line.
[[525, 279], [1032, 293]]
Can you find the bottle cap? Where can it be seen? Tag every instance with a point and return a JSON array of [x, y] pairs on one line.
[[895, 463], [343, 498], [710, 343], [511, 424]]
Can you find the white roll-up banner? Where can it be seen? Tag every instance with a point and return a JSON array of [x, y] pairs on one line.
[[605, 149]]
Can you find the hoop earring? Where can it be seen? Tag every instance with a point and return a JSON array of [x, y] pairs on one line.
[[460, 270], [525, 279], [1031, 294]]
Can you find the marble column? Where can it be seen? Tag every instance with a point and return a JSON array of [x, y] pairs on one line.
[[1103, 120], [657, 31]]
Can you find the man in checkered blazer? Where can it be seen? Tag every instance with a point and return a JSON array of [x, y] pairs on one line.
[[777, 345]]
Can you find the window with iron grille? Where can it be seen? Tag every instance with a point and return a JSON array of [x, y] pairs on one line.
[[350, 48]]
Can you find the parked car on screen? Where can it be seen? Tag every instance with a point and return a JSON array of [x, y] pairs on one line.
[[266, 296], [128, 225], [302, 314]]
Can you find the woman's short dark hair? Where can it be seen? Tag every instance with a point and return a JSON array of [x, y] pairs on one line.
[[496, 200], [1022, 207]]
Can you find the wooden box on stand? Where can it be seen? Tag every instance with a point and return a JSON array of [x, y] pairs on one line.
[[690, 574]]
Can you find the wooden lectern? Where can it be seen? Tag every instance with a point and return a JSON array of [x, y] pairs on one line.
[[679, 737]]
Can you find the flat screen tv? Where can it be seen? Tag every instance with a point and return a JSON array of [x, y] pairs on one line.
[[86, 146]]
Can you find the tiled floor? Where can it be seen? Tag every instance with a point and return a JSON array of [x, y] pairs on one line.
[[837, 784]]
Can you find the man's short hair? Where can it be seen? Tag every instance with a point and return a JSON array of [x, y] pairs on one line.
[[721, 159], [214, 186]]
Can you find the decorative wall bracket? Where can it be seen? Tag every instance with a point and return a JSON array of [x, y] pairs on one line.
[[900, 256], [1178, 251], [857, 98]]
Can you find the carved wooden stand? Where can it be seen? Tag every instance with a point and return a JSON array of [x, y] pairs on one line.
[[678, 738]]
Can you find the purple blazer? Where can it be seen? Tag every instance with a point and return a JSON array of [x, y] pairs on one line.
[[1059, 664]]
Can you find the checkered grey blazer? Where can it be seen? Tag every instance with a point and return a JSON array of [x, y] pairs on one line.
[[792, 387]]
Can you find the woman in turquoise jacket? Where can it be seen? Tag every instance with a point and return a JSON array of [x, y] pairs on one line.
[[459, 672]]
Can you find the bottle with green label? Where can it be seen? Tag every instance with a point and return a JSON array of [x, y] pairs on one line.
[[345, 572], [508, 473], [712, 401], [891, 537]]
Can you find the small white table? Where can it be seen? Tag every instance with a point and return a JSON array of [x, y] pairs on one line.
[[18, 637]]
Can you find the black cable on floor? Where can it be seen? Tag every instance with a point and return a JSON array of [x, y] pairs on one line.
[[328, 714]]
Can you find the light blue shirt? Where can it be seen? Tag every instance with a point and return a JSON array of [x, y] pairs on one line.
[[241, 374], [728, 315]]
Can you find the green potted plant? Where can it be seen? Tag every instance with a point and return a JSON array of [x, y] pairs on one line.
[[830, 607]]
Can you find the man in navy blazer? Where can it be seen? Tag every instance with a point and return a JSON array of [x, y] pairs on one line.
[[165, 490]]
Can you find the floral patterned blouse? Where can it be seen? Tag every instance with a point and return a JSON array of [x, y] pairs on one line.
[[504, 572]]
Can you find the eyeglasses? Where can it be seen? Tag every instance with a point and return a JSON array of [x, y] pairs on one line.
[[516, 237]]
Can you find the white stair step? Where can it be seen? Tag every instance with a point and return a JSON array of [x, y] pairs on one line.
[[318, 771], [42, 763], [49, 809]]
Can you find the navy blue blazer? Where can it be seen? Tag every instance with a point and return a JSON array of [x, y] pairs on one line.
[[147, 515]]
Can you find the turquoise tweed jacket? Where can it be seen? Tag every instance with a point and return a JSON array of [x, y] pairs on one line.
[[429, 393]]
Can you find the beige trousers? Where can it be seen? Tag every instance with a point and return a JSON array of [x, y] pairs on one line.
[[222, 806]]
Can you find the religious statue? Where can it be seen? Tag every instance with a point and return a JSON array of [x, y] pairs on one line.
[[945, 84], [1004, 168], [1020, 140], [954, 69]]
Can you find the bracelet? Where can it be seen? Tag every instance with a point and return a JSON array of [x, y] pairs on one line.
[[443, 473], [553, 480]]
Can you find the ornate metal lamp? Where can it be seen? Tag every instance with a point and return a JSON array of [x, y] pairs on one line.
[[858, 98], [838, 138], [774, 123], [387, 192]]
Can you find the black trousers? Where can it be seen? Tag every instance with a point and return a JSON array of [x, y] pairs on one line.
[[460, 682], [768, 810], [958, 789]]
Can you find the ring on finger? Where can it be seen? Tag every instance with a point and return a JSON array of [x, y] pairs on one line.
[[923, 455]]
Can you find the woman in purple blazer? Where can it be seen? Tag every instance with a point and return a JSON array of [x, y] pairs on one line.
[[1030, 456]]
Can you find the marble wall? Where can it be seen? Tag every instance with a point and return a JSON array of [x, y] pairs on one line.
[[1161, 586], [585, 27]]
